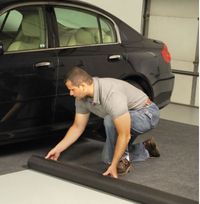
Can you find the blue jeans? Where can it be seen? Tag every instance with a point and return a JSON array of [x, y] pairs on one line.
[[142, 120]]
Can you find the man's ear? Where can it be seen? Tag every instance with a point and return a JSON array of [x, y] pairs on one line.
[[84, 85]]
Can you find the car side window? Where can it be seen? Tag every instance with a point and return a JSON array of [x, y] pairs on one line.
[[9, 27], [22, 29], [79, 27], [107, 29]]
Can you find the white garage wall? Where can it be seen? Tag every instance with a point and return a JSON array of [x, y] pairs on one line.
[[130, 11], [175, 22]]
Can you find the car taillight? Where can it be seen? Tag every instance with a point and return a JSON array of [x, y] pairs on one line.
[[165, 54]]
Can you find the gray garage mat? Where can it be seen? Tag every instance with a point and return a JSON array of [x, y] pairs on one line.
[[176, 171]]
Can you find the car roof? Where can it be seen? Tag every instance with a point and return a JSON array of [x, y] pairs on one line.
[[5, 3]]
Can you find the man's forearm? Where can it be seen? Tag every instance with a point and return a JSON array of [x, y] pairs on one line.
[[71, 136], [120, 147]]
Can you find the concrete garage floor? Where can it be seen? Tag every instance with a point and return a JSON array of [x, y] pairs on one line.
[[13, 161], [181, 113]]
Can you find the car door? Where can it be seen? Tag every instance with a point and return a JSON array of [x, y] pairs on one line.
[[88, 39], [27, 73]]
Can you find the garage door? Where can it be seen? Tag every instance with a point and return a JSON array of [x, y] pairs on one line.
[[176, 23]]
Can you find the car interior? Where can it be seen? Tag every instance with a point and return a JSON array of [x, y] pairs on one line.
[[83, 36], [29, 35]]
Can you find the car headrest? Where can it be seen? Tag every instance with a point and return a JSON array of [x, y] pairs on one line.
[[31, 25], [83, 36]]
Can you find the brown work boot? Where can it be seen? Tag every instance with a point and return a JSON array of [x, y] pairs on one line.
[[152, 148], [123, 167]]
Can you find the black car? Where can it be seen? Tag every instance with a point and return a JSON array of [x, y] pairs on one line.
[[41, 40]]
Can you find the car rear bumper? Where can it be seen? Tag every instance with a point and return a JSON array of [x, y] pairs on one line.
[[163, 90]]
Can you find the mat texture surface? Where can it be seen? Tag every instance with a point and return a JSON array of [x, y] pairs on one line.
[[175, 171]]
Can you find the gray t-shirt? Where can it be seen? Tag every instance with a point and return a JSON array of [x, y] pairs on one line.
[[112, 97]]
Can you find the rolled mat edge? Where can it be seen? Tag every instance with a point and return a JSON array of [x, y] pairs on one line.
[[128, 190]]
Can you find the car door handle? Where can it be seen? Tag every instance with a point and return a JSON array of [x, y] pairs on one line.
[[114, 57], [43, 65]]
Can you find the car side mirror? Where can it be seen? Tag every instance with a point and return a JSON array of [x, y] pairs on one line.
[[1, 49]]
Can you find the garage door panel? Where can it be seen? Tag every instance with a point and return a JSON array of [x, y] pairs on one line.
[[182, 65], [176, 8], [182, 89], [180, 34], [175, 22]]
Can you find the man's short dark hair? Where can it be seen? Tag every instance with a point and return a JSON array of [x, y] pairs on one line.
[[77, 76]]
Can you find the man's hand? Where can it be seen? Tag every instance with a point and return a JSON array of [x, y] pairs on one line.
[[71, 136], [111, 171], [53, 154]]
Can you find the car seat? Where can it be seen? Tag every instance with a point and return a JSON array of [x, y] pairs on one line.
[[82, 37], [29, 35], [88, 36]]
